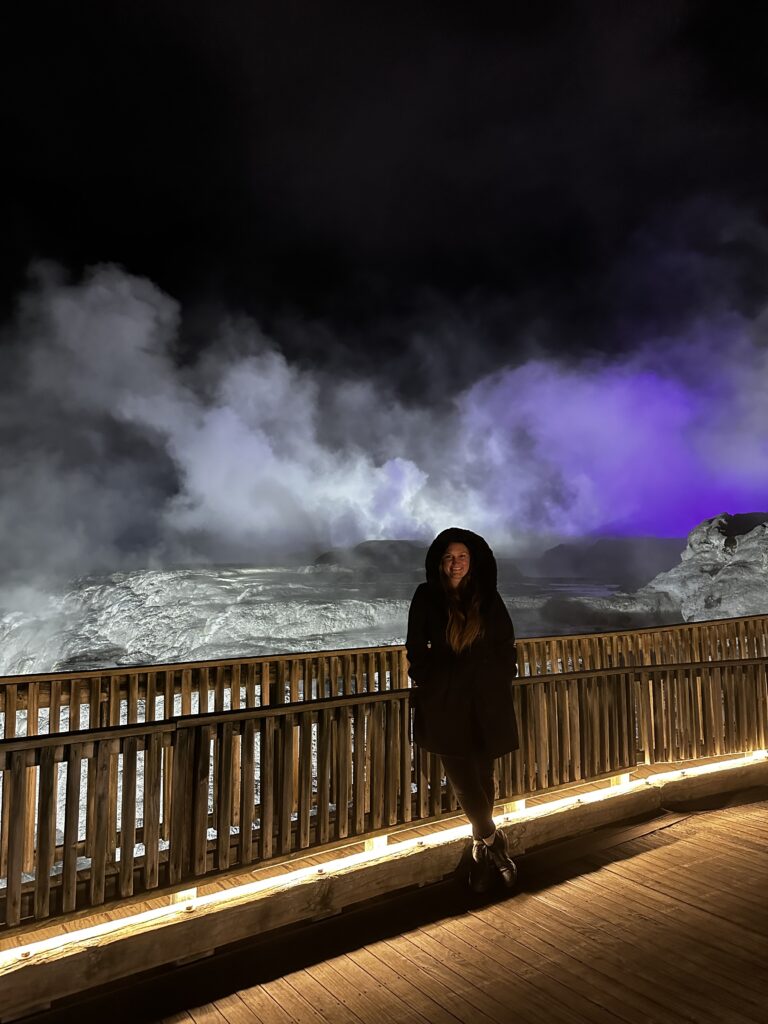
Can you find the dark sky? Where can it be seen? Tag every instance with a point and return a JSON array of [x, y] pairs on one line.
[[362, 164], [367, 270]]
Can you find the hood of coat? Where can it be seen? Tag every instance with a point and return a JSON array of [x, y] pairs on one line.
[[482, 564]]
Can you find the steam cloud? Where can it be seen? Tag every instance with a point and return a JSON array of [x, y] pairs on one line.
[[115, 455]]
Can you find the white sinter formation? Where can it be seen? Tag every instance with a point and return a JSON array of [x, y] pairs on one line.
[[723, 570]]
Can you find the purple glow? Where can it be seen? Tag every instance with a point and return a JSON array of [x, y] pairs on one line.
[[625, 449]]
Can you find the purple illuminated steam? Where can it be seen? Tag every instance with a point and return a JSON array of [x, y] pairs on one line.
[[623, 449]]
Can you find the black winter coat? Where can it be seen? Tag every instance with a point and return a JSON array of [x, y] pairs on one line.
[[463, 702]]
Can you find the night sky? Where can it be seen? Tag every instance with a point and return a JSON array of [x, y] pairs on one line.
[[282, 275]]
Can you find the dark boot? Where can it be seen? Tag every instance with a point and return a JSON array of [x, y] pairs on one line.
[[480, 867], [498, 854]]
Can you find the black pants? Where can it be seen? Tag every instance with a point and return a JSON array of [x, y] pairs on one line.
[[472, 781]]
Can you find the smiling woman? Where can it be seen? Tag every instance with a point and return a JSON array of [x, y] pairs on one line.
[[462, 656]]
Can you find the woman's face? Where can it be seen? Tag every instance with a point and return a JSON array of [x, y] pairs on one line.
[[455, 563]]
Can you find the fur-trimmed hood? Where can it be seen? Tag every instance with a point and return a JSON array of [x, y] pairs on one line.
[[482, 563]]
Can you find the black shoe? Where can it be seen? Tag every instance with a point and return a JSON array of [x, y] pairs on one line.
[[498, 854], [480, 867]]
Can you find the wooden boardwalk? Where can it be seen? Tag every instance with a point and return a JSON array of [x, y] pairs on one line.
[[653, 922]]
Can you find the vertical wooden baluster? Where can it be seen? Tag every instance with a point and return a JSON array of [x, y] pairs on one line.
[[422, 782], [152, 775], [358, 769], [250, 684], [33, 728], [266, 696], [181, 817], [391, 766], [406, 759], [9, 718], [186, 688], [294, 675], [74, 755], [282, 696], [575, 729], [102, 822], [435, 784], [683, 713], [288, 782], [114, 719], [541, 735], [718, 708], [224, 787], [169, 752], [732, 703], [133, 698], [54, 726], [150, 701], [236, 749], [585, 719], [518, 784], [219, 688], [624, 745], [16, 789], [267, 787], [46, 833], [54, 707], [529, 737], [370, 686], [341, 766], [322, 830], [305, 779], [75, 703], [659, 718], [201, 781], [247, 788], [504, 777], [378, 759], [553, 733], [128, 815], [391, 666], [564, 730]]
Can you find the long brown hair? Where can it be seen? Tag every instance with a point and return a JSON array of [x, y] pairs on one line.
[[465, 623]]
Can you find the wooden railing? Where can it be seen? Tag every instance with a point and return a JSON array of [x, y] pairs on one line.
[[59, 701], [172, 796]]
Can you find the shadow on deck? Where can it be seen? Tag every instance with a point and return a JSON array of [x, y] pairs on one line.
[[657, 920]]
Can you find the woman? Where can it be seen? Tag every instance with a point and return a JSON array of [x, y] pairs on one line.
[[462, 657]]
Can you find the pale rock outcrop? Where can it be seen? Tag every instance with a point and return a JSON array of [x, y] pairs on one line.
[[723, 570]]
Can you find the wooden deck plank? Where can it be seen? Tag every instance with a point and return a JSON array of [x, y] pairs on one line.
[[403, 987], [471, 950], [325, 1002], [697, 891], [554, 993], [262, 1004], [295, 1001], [662, 913], [684, 966], [235, 1011], [570, 973], [396, 955], [364, 994], [207, 1015], [617, 962], [488, 1007]]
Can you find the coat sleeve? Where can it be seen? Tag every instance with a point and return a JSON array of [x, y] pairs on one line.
[[505, 653], [417, 646]]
